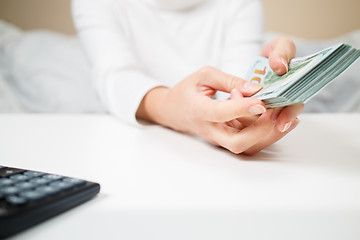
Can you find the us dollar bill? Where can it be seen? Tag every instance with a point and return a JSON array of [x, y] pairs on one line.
[[305, 77]]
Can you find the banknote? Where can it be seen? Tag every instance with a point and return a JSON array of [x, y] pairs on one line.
[[306, 75]]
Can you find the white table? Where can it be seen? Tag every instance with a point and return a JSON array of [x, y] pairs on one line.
[[159, 184]]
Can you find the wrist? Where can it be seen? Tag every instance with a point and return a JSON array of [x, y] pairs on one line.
[[152, 107]]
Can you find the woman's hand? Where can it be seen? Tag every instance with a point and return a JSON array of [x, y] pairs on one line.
[[280, 51], [240, 124], [189, 107]]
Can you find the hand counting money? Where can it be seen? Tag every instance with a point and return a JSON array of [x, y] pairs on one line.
[[306, 75]]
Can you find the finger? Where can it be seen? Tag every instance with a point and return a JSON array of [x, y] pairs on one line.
[[279, 51], [275, 136], [244, 121], [224, 111], [235, 94], [276, 113], [287, 116], [248, 120], [239, 141], [220, 81], [244, 92]]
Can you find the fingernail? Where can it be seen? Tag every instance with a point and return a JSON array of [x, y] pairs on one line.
[[285, 64], [286, 127], [257, 109], [252, 87]]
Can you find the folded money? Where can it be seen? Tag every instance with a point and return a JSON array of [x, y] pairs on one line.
[[306, 75]]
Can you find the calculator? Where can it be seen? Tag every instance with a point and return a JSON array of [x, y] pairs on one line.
[[29, 197]]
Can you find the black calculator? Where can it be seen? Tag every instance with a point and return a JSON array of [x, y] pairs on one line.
[[30, 197]]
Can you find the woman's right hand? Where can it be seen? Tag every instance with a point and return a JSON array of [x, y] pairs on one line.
[[189, 107]]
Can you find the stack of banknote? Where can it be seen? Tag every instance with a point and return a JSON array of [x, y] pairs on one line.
[[306, 75]]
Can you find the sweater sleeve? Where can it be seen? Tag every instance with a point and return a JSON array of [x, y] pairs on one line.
[[118, 75], [242, 37]]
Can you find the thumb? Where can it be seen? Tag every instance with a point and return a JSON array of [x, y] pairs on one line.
[[279, 51], [223, 111], [220, 81]]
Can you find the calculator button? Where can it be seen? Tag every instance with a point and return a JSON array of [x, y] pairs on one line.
[[9, 190], [39, 181], [32, 195], [15, 200], [61, 185], [74, 181], [25, 185], [5, 182], [46, 189], [33, 174], [19, 177], [52, 177], [28, 197], [5, 172]]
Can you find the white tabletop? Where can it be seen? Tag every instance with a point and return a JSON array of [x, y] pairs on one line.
[[160, 184]]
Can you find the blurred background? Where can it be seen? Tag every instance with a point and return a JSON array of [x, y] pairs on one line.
[[47, 71], [312, 19]]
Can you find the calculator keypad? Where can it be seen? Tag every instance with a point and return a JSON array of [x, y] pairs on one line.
[[30, 197], [19, 187]]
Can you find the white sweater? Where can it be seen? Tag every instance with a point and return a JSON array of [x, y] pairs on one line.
[[136, 45]]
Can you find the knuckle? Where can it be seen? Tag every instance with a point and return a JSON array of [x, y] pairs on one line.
[[232, 81], [285, 39], [235, 148], [289, 42], [206, 70]]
